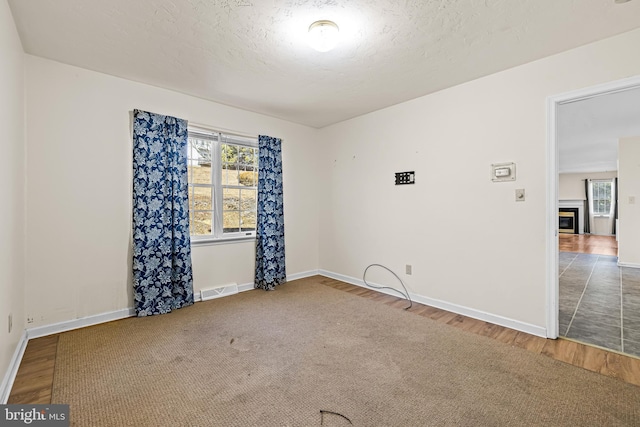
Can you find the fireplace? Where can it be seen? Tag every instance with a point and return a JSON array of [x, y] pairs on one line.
[[568, 220]]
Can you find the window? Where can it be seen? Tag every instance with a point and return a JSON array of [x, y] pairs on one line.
[[223, 185], [601, 197]]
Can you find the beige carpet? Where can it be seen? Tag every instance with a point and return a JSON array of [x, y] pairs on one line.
[[279, 358]]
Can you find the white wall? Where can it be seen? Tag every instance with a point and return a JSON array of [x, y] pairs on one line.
[[79, 190], [469, 241], [629, 209], [12, 183], [571, 185]]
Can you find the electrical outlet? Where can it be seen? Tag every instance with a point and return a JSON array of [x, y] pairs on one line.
[[403, 178], [10, 322], [29, 319], [407, 269]]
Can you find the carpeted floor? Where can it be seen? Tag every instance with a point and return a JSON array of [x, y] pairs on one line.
[[280, 358]]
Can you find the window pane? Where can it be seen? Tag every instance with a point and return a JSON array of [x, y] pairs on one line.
[[200, 174], [248, 219], [248, 178], [231, 221], [230, 199], [202, 199], [601, 197], [246, 155], [229, 154], [229, 175], [201, 223], [248, 200], [199, 151]]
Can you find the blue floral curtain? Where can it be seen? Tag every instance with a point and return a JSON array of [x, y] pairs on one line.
[[270, 267], [162, 277]]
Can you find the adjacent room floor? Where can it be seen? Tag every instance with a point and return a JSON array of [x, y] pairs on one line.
[[599, 301], [588, 244]]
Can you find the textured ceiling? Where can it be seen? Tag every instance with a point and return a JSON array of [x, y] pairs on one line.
[[252, 54], [588, 131]]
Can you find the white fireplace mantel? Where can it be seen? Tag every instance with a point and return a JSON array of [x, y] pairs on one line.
[[576, 204]]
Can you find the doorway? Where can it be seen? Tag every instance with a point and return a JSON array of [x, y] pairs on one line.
[[590, 305]]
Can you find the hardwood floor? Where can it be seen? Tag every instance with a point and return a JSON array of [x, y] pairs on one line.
[[34, 380], [588, 244]]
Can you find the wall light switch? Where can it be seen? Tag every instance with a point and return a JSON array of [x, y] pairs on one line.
[[520, 195], [503, 172], [632, 200]]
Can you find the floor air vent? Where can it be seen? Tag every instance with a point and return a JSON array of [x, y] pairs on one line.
[[219, 291]]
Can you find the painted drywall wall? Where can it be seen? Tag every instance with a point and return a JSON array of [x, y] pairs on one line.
[[469, 241], [12, 181], [602, 226], [629, 201], [79, 190], [571, 185]]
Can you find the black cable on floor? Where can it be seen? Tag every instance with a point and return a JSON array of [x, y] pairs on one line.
[[332, 413]]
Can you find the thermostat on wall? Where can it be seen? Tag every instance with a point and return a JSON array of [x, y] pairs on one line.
[[503, 172]]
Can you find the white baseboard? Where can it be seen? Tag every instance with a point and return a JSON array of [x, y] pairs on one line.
[[12, 370], [302, 275], [454, 308], [246, 287], [68, 325], [628, 264], [250, 286]]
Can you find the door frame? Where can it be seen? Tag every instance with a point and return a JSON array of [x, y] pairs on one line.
[[552, 287]]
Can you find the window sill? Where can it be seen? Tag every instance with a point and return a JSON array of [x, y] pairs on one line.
[[221, 241]]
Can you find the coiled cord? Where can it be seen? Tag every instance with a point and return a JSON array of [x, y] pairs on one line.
[[405, 294]]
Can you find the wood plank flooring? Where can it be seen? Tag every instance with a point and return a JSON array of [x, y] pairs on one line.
[[588, 244], [34, 380]]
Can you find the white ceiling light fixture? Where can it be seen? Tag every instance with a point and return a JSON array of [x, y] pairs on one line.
[[323, 35]]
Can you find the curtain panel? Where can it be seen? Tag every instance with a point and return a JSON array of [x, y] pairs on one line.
[[162, 275], [587, 208], [614, 202], [270, 256]]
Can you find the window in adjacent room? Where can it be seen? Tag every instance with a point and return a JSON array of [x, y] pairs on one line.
[[601, 197], [223, 185]]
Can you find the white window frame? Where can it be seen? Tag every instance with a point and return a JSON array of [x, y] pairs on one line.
[[218, 138], [595, 183]]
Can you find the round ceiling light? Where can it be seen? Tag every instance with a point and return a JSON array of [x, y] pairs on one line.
[[323, 35]]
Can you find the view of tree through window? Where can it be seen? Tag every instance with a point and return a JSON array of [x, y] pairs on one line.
[[239, 187], [223, 180], [601, 197]]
